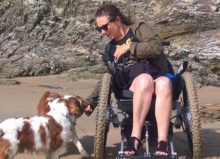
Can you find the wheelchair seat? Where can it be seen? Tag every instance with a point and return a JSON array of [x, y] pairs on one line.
[[123, 94]]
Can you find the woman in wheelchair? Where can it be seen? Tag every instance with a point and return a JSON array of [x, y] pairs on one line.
[[137, 52]]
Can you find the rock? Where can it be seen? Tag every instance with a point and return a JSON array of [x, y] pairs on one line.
[[4, 81], [211, 112], [48, 37]]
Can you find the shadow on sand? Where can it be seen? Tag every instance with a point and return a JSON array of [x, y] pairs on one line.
[[210, 145], [87, 142]]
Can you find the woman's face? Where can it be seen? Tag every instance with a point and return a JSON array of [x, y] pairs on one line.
[[108, 27]]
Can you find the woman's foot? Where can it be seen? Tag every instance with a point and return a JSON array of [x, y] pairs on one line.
[[132, 147], [162, 149]]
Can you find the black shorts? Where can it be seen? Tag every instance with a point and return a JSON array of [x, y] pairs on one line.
[[124, 78]]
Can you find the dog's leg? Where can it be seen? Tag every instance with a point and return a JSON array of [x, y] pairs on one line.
[[79, 145], [52, 155], [48, 155]]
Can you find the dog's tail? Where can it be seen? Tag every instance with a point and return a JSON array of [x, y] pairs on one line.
[[43, 108]]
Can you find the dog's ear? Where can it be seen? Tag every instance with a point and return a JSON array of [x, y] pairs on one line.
[[74, 106], [83, 103]]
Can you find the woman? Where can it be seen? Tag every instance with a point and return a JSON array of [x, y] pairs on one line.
[[139, 53]]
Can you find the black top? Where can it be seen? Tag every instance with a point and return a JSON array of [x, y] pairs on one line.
[[113, 44]]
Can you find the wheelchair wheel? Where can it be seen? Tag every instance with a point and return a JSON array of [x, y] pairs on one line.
[[102, 122], [191, 117]]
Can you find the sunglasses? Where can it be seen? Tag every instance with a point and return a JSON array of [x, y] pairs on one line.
[[104, 27]]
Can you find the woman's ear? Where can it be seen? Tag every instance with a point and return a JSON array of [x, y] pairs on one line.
[[118, 21]]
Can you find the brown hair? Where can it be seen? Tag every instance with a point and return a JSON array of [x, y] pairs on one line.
[[112, 11]]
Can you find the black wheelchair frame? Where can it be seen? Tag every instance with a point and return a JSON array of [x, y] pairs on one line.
[[185, 106]]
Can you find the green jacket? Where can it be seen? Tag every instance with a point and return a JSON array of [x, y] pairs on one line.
[[150, 47]]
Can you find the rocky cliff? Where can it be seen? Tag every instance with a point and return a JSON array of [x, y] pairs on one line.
[[41, 37]]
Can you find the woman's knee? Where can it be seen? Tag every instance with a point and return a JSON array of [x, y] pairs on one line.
[[163, 85], [143, 82]]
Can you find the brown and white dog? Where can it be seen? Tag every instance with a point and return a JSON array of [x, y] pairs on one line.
[[47, 132]]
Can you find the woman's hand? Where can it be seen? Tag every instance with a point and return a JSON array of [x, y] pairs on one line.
[[121, 51]]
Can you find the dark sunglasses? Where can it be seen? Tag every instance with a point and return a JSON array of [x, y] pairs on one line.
[[104, 27]]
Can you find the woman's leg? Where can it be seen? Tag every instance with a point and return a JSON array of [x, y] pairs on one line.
[[142, 88], [163, 107]]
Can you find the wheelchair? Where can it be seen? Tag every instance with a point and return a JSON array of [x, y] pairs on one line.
[[117, 109]]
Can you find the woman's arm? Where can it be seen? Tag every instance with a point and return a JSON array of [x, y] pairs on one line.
[[150, 45], [92, 100]]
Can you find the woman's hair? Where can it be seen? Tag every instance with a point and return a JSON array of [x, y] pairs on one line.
[[112, 11]]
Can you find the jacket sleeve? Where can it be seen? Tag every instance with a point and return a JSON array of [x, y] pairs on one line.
[[92, 99], [150, 45]]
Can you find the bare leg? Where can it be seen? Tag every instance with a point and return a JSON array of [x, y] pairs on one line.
[[142, 88], [163, 106]]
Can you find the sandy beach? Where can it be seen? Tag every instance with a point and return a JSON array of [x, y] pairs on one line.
[[21, 100]]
